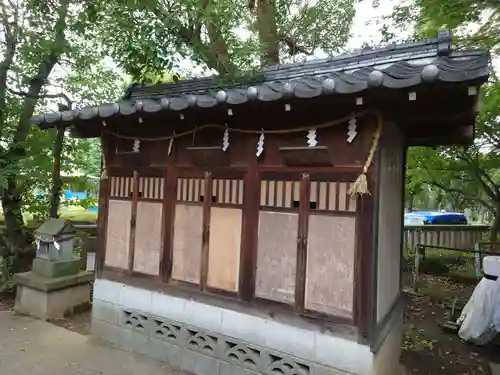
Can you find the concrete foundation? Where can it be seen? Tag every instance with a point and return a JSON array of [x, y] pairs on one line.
[[52, 297], [209, 340]]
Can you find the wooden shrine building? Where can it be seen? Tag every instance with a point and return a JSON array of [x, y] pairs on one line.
[[254, 225]]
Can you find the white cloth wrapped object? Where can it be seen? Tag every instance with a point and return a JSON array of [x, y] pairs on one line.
[[480, 318]]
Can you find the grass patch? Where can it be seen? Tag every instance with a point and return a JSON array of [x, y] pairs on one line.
[[73, 213]]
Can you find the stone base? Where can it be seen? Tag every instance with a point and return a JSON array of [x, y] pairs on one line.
[[52, 298], [208, 340], [47, 268]]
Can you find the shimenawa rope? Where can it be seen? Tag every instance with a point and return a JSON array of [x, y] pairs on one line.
[[360, 186]]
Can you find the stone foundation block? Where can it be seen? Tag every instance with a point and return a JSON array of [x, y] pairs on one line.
[[236, 343], [198, 364], [165, 352], [52, 298], [105, 332]]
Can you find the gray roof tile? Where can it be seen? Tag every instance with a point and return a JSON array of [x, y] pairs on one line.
[[396, 66]]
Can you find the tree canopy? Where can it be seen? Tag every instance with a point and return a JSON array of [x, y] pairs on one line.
[[45, 61], [225, 36]]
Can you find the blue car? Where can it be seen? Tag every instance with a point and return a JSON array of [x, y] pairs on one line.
[[434, 218]]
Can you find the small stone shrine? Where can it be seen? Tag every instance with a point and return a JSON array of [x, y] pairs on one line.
[[56, 285]]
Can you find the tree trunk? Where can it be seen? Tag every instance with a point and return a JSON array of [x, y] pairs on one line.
[[216, 55], [55, 196], [16, 239], [15, 234], [411, 199], [268, 32], [495, 226]]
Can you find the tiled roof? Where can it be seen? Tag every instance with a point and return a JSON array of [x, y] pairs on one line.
[[396, 66]]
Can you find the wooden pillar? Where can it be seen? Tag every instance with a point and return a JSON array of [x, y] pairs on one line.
[[248, 262], [102, 218], [133, 221], [207, 204], [169, 198], [365, 263], [300, 275]]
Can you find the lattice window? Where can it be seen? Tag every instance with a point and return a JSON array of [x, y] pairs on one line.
[[151, 187], [121, 187], [242, 354], [227, 191], [280, 194], [190, 189], [331, 196], [135, 320], [286, 366], [200, 341], [167, 330]]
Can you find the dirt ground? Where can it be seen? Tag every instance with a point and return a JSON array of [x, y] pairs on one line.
[[79, 323], [428, 348], [6, 302]]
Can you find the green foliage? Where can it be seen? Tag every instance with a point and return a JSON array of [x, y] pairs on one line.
[[415, 340], [49, 56], [475, 22], [80, 71], [154, 36], [463, 178]]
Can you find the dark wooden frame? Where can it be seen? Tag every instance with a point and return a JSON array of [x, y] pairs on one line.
[[252, 174], [104, 196], [208, 175]]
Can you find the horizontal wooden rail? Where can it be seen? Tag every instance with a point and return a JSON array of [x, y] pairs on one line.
[[470, 251], [452, 236]]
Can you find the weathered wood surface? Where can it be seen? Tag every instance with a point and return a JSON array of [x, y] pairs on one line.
[[454, 236]]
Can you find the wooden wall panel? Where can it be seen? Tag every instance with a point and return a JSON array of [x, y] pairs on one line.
[[277, 256], [188, 224], [118, 233], [224, 248], [390, 229], [148, 238], [330, 264]]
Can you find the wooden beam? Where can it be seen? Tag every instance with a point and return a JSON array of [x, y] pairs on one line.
[[102, 219], [169, 198], [300, 276], [365, 255], [207, 204], [248, 259], [133, 221]]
